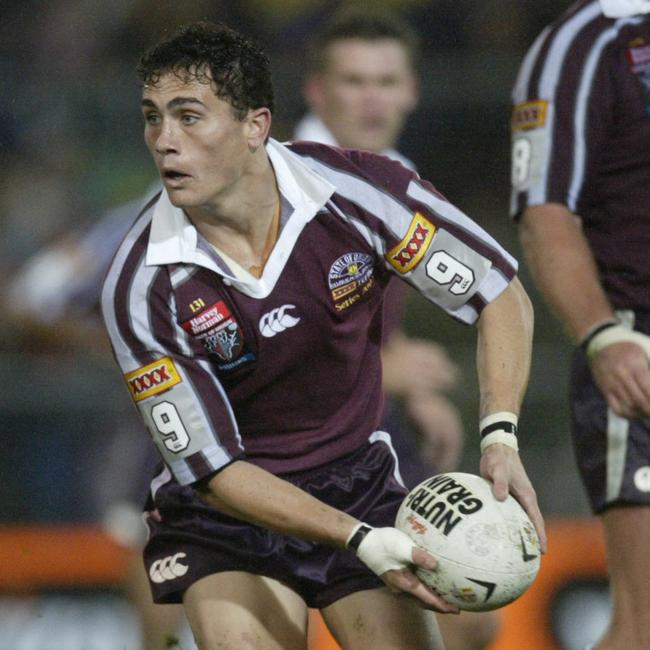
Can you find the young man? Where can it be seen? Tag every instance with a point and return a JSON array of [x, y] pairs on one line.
[[581, 193], [361, 85], [244, 307]]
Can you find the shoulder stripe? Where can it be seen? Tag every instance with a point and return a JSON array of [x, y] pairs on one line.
[[387, 208], [520, 91], [459, 221], [582, 106], [113, 277], [551, 74]]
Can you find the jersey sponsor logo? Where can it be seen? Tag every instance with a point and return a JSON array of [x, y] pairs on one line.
[[529, 115], [207, 319], [277, 320], [218, 330], [407, 254], [349, 278], [168, 568], [152, 379]]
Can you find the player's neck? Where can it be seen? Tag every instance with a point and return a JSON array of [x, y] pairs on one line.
[[244, 226]]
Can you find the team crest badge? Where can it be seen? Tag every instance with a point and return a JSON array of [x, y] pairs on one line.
[[349, 278]]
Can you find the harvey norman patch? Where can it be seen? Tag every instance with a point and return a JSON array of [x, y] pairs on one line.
[[220, 334], [152, 379], [349, 278], [407, 254], [529, 115]]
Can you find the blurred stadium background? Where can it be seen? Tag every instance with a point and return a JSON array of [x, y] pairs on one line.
[[71, 147]]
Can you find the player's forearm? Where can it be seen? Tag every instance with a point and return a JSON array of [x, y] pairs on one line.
[[247, 492], [564, 269], [505, 332]]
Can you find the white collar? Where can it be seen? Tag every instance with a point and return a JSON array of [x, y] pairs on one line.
[[311, 127], [173, 238], [624, 8]]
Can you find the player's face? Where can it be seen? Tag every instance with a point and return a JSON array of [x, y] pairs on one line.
[[200, 147], [365, 92]]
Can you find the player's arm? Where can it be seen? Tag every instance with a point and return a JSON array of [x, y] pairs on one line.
[[247, 492], [564, 269], [505, 331]]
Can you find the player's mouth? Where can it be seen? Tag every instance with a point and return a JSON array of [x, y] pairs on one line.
[[173, 177]]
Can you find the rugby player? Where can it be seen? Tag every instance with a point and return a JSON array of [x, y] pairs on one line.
[[581, 197], [244, 308]]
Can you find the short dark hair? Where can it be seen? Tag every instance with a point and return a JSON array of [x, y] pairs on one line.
[[364, 24], [238, 66]]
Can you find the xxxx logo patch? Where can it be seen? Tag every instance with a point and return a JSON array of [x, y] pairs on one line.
[[529, 115], [407, 254], [152, 379]]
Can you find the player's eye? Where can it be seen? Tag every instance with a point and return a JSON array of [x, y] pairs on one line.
[[152, 118], [189, 119]]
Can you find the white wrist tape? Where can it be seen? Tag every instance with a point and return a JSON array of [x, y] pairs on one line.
[[499, 428], [386, 549], [494, 418], [617, 334], [501, 437]]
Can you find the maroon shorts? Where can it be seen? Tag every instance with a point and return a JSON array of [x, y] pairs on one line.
[[612, 453], [194, 541]]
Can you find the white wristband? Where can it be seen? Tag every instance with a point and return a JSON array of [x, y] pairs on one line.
[[501, 437], [499, 428], [617, 334], [501, 416]]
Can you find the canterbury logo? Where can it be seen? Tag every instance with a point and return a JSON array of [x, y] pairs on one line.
[[168, 568], [277, 320]]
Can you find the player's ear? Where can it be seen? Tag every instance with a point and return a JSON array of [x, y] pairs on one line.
[[257, 127]]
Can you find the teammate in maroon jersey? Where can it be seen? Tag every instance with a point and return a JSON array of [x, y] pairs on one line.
[[581, 194], [244, 308]]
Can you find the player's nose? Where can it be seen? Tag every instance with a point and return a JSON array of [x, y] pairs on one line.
[[167, 139]]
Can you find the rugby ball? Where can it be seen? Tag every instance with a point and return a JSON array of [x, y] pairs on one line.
[[488, 551]]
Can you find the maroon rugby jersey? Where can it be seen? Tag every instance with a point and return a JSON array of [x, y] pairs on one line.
[[581, 137], [285, 370]]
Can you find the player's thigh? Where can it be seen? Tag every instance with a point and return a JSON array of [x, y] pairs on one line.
[[381, 620], [233, 610], [469, 630], [627, 531]]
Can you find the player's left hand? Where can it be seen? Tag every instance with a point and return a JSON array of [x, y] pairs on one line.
[[502, 466]]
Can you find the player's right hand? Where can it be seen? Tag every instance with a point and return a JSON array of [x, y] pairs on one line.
[[390, 554]]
